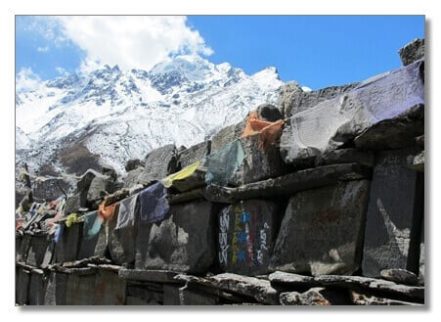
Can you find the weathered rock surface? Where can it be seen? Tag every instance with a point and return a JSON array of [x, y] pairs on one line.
[[132, 164], [368, 111], [260, 290], [194, 153], [133, 177], [100, 187], [412, 51], [314, 296], [321, 232], [394, 215], [159, 163], [288, 184], [294, 100], [226, 135], [247, 231], [49, 189], [259, 163], [400, 276], [350, 155], [183, 242]]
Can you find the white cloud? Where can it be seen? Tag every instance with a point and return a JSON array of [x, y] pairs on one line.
[[61, 71], [26, 80], [43, 49], [133, 41]]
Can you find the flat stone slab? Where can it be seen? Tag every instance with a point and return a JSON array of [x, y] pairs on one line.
[[385, 110], [394, 216], [159, 276], [322, 230], [183, 242], [291, 279], [247, 231], [194, 153], [258, 289], [288, 184], [359, 283], [400, 276], [315, 296]]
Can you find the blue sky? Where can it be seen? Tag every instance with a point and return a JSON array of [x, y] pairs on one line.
[[317, 51]]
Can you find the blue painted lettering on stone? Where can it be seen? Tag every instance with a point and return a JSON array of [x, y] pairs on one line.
[[245, 217]]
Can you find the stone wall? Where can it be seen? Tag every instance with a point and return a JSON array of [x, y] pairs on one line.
[[330, 215]]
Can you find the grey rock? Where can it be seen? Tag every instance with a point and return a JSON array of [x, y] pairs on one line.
[[132, 164], [416, 162], [56, 289], [183, 242], [121, 243], [394, 133], [159, 163], [247, 231], [66, 249], [99, 188], [314, 296], [260, 290], [400, 276], [288, 184], [259, 163], [80, 287], [74, 202], [367, 299], [49, 189], [109, 171], [291, 279], [157, 276], [412, 51], [194, 153], [142, 294], [394, 216], [379, 111], [95, 246], [22, 285], [269, 112], [40, 251], [388, 288], [226, 135], [86, 179], [294, 100], [109, 288], [321, 232], [349, 155], [133, 177], [37, 286]]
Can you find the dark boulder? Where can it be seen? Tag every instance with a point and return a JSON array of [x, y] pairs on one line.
[[394, 216], [322, 230], [132, 164], [159, 163], [226, 135], [50, 189], [412, 51], [293, 99], [184, 242], [194, 153], [369, 114]]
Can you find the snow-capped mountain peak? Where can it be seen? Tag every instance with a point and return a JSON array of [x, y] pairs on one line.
[[122, 114]]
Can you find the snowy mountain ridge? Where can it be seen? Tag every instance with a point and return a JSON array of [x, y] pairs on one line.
[[119, 115]]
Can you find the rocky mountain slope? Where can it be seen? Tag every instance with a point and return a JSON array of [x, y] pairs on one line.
[[109, 116]]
